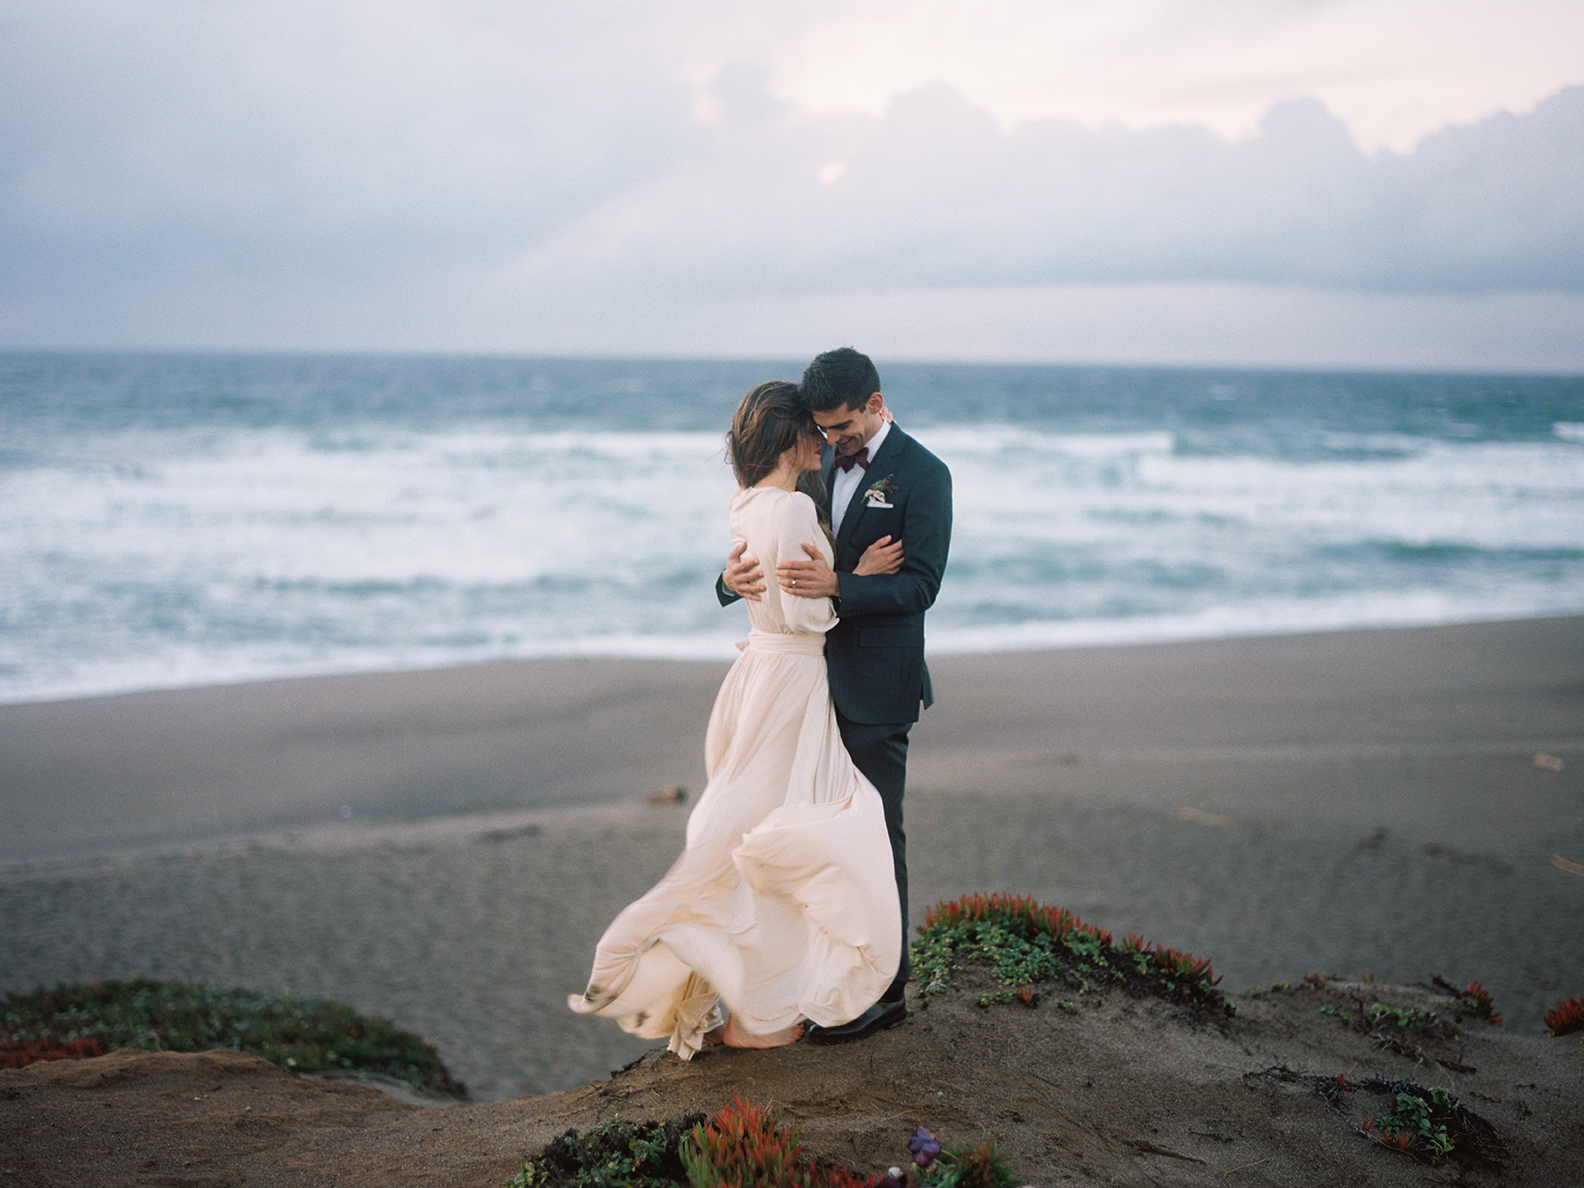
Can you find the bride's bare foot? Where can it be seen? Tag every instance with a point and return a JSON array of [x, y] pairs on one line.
[[734, 1036]]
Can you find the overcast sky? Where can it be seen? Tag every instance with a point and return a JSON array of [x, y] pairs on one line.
[[1312, 182]]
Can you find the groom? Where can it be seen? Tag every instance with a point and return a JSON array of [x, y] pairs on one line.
[[889, 492]]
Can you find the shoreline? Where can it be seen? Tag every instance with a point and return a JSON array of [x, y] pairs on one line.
[[723, 651], [1351, 803], [368, 751]]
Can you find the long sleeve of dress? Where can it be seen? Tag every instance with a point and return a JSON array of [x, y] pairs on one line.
[[797, 524], [777, 524]]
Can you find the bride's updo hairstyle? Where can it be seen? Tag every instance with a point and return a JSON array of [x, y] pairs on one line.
[[767, 424]]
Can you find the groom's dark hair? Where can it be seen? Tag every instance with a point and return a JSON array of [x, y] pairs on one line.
[[842, 378]]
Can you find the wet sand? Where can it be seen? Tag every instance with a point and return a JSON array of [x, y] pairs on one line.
[[443, 848]]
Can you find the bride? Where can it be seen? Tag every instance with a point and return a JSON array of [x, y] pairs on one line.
[[783, 905]]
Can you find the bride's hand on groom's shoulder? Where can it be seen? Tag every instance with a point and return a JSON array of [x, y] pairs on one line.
[[743, 575], [884, 556]]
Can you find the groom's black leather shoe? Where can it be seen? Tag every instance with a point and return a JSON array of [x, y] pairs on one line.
[[884, 1014]]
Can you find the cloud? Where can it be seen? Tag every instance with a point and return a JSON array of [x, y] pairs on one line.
[[312, 140], [935, 194], [1393, 70], [178, 172]]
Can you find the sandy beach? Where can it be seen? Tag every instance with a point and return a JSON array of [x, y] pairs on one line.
[[443, 848]]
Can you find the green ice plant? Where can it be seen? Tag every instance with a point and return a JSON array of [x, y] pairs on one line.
[[1417, 1123], [740, 1147], [1403, 1016], [614, 1154], [305, 1035], [1427, 1124], [1025, 944]]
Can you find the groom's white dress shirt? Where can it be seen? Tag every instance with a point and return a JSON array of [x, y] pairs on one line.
[[845, 482]]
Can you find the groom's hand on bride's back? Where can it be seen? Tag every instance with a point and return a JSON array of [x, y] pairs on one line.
[[743, 575]]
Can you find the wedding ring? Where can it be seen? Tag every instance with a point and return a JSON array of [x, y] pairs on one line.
[[794, 583]]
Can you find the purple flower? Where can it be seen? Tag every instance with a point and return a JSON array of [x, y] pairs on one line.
[[924, 1147], [890, 1181]]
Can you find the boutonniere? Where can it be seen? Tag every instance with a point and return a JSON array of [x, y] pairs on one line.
[[877, 493]]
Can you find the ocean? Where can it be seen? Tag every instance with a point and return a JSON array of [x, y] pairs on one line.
[[177, 520]]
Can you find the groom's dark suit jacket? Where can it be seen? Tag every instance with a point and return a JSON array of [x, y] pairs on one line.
[[875, 655]]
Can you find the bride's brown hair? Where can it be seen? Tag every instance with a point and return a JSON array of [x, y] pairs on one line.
[[767, 424]]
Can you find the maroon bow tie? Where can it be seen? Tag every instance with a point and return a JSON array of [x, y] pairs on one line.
[[848, 461]]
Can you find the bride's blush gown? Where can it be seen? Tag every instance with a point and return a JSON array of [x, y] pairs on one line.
[[783, 905]]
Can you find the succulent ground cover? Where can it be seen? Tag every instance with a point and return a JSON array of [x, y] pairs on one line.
[[301, 1034], [1428, 1124], [741, 1147], [1033, 950], [613, 1154], [1567, 1016]]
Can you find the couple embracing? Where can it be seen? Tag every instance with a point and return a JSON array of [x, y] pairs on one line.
[[787, 910]]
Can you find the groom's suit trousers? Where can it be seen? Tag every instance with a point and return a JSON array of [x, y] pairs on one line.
[[880, 752]]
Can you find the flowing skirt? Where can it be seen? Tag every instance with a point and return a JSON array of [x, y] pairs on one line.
[[783, 905]]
